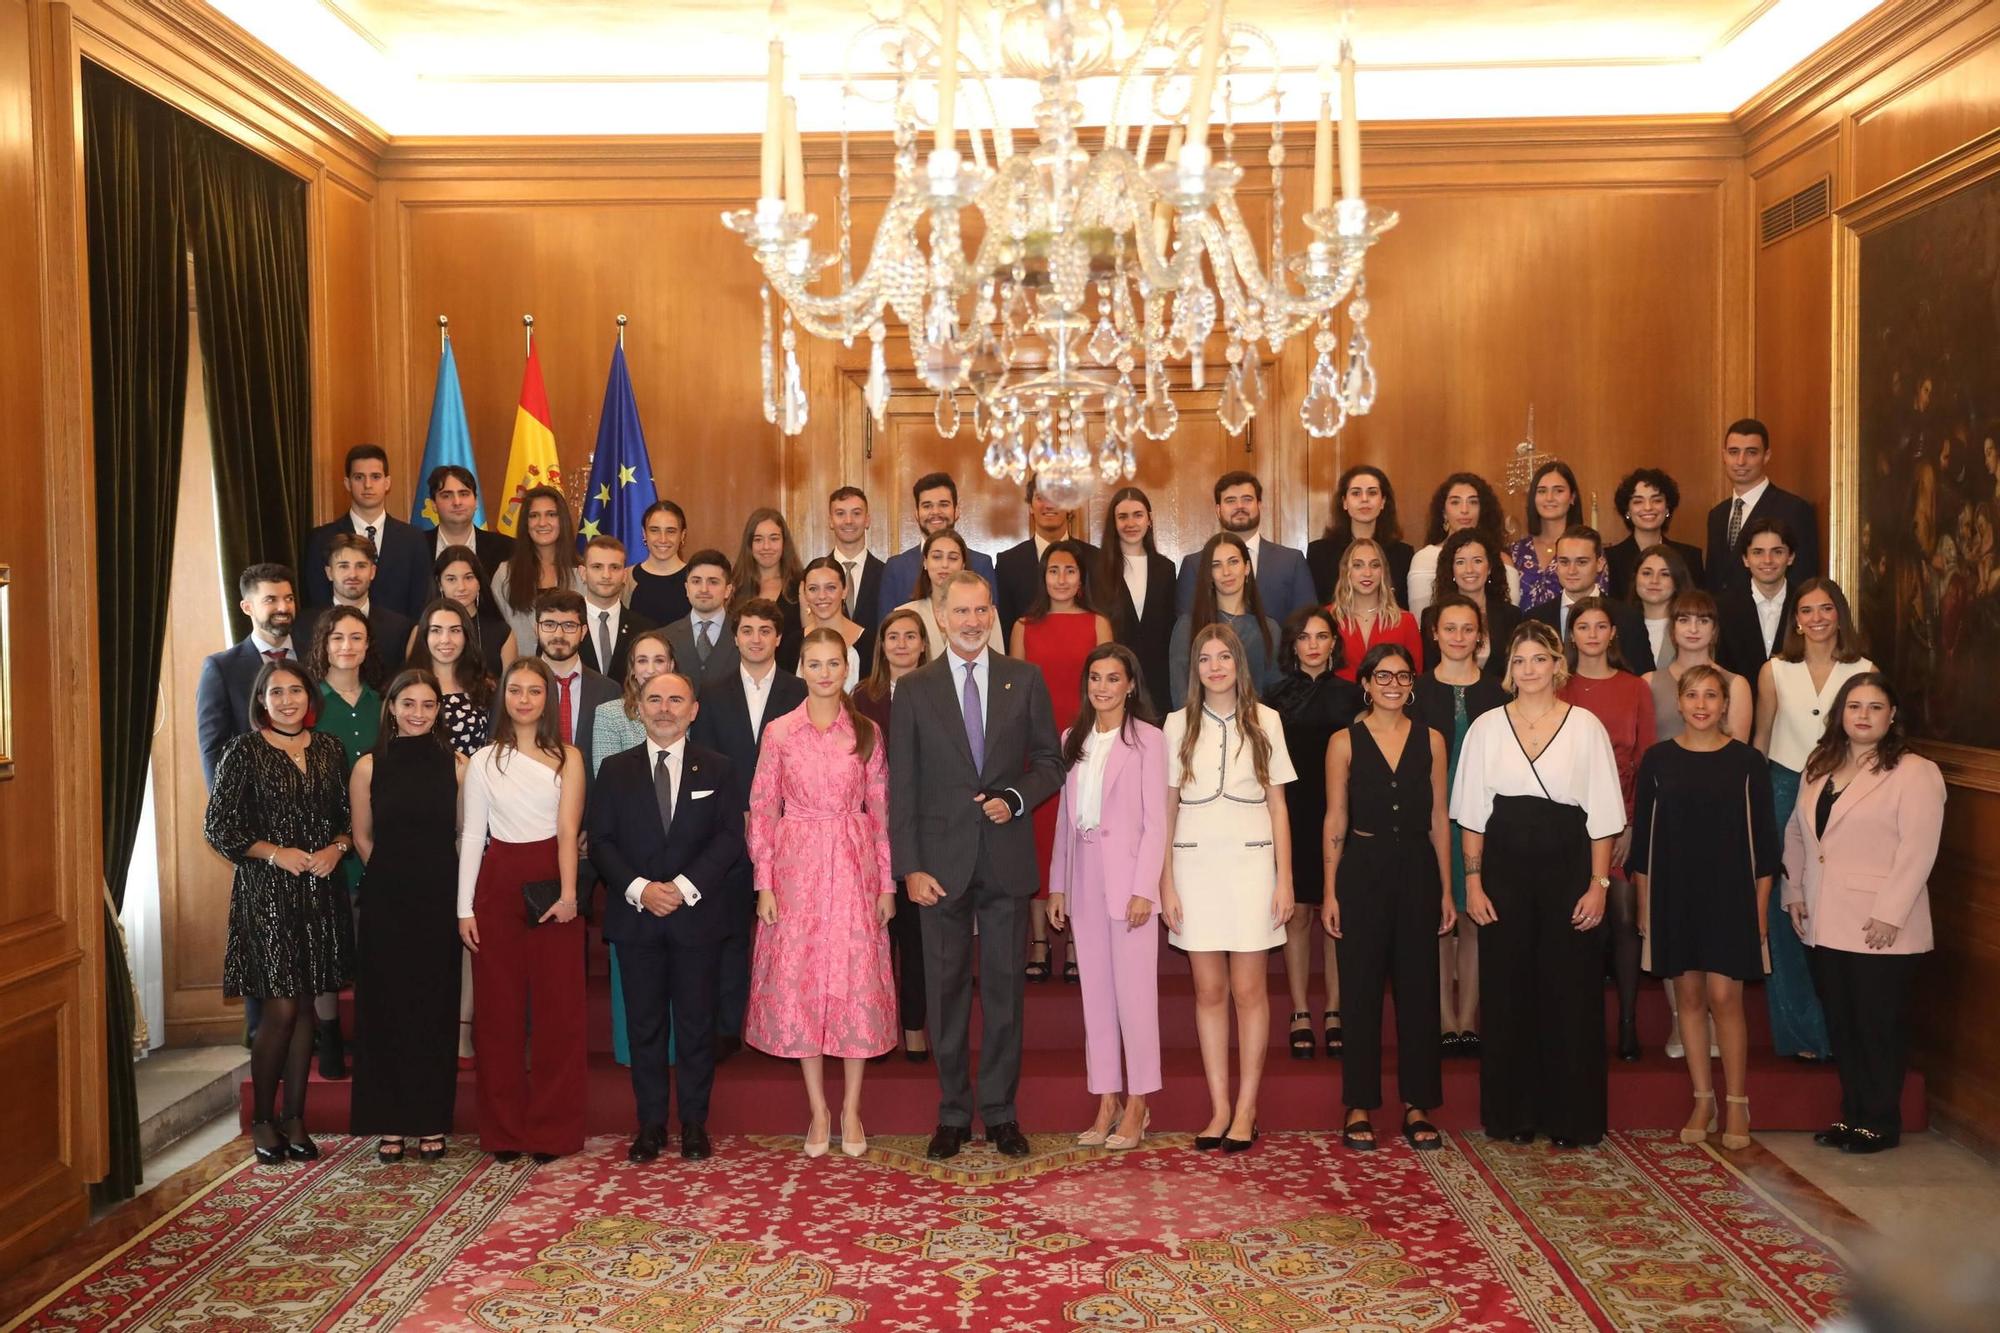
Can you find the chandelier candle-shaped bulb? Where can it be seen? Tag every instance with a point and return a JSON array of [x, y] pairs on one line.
[[1350, 125], [1204, 75], [795, 160], [947, 84], [1323, 144], [773, 160]]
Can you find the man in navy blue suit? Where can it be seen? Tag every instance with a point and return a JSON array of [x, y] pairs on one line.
[[403, 555], [222, 699], [666, 835], [1746, 454], [1283, 579], [936, 497]]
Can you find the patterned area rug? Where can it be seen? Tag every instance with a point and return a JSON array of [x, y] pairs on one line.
[[1641, 1233]]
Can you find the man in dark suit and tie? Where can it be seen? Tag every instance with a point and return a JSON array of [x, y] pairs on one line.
[[1283, 579], [702, 643], [847, 516], [222, 698], [1755, 613], [666, 835], [1746, 453], [579, 690], [351, 570], [403, 556], [936, 498], [454, 493], [972, 749], [734, 712], [1019, 568], [1579, 564], [609, 623]]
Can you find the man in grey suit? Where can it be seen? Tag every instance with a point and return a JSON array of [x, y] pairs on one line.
[[1283, 579], [704, 647], [972, 749]]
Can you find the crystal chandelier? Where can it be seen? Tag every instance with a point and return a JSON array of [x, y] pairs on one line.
[[1091, 271]]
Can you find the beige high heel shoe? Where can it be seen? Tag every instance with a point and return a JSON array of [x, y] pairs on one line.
[[1095, 1138], [1119, 1143], [818, 1149], [1701, 1135], [1736, 1141]]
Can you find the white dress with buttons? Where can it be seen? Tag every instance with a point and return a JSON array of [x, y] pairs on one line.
[[1800, 717], [1225, 859]]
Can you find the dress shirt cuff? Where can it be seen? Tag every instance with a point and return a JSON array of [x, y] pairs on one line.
[[690, 895], [636, 890], [1019, 806]]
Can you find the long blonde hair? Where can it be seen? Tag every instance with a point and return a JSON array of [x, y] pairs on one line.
[[1247, 723], [864, 730], [1386, 612]]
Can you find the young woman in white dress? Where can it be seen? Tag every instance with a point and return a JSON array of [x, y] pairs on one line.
[[1227, 891]]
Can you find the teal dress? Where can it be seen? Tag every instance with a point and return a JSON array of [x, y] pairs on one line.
[[610, 732], [1461, 721], [356, 728]]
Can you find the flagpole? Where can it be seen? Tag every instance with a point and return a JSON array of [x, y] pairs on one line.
[[621, 333], [444, 333], [528, 323]]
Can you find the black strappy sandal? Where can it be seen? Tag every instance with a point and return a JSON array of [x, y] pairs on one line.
[[1358, 1135], [1303, 1045], [389, 1151], [430, 1148], [1333, 1041], [1070, 972], [1420, 1133], [1037, 968]]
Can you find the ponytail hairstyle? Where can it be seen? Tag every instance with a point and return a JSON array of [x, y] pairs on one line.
[[1138, 707], [1248, 725], [864, 730]]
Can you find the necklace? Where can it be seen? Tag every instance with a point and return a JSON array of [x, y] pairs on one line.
[[300, 731], [1536, 722]]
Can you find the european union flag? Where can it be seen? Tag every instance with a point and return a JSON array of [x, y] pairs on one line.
[[449, 441], [621, 476]]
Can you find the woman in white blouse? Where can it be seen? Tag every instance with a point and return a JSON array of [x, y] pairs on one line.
[[1539, 804], [517, 870]]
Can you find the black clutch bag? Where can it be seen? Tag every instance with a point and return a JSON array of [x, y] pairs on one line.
[[539, 895]]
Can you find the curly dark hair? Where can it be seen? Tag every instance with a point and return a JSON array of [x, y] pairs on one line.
[[1489, 506], [1669, 489]]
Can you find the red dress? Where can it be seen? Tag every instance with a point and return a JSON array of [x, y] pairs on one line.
[[1623, 702], [1057, 643], [1354, 643]]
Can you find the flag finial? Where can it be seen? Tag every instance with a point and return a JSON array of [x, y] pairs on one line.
[[528, 323], [621, 330], [444, 331]]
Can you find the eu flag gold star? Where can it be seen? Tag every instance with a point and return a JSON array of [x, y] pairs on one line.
[[626, 476], [603, 495], [590, 529]]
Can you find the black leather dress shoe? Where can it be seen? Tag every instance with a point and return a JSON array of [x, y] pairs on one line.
[[1868, 1140], [726, 1046], [647, 1145], [1834, 1135], [546, 1157], [694, 1143], [1522, 1136], [1008, 1140], [506, 1155], [946, 1142]]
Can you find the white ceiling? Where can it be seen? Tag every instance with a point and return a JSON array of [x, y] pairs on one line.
[[696, 66]]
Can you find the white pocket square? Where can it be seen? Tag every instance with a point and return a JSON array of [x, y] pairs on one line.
[[701, 795]]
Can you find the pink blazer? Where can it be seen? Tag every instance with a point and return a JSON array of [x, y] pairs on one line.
[[1127, 850], [1875, 860]]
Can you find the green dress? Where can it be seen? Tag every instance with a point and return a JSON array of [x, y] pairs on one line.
[[1461, 721], [355, 727]]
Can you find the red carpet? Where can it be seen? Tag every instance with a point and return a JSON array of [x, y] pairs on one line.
[[755, 1094], [1642, 1233]]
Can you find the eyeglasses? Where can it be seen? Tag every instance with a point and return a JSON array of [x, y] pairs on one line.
[[560, 626], [1393, 677]]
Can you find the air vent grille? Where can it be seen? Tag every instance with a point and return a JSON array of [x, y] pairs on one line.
[[1799, 210]]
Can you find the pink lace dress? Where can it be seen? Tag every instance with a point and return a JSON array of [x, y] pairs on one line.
[[820, 982]]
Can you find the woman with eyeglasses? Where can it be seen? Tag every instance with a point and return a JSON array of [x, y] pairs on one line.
[[1386, 856], [1539, 804]]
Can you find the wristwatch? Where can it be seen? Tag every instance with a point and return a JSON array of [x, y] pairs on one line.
[[1601, 881]]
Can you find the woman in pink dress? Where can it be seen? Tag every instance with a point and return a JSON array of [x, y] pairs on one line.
[[1058, 632], [820, 983]]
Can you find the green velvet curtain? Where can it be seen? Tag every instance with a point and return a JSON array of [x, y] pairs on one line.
[[138, 363], [247, 221]]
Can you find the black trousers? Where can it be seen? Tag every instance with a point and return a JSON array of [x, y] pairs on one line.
[[906, 932], [733, 960], [1863, 995], [1390, 906], [1541, 980], [1002, 914], [655, 974]]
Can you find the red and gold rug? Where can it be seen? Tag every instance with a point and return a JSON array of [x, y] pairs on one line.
[[1642, 1233]]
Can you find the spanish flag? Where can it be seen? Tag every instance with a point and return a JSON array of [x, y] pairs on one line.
[[531, 459]]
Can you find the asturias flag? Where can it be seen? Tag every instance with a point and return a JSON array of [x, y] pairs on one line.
[[449, 441], [531, 459], [621, 476]]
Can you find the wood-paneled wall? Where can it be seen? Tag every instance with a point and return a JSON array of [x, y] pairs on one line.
[[1899, 96]]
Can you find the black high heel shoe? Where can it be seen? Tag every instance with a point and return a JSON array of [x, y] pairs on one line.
[[1333, 1039], [1302, 1044], [299, 1145], [431, 1148], [1037, 969], [1240, 1145], [271, 1154]]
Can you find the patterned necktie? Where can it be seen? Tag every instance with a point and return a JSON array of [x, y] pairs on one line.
[[1735, 522], [663, 791], [975, 722], [274, 654], [604, 641], [704, 639], [369, 532], [563, 683]]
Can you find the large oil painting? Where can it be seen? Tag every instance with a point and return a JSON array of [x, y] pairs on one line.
[[1927, 420]]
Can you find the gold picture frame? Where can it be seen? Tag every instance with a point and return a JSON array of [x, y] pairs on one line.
[[1862, 560], [6, 679]]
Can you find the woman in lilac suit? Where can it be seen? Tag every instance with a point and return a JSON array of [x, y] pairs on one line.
[[1104, 876], [1858, 855]]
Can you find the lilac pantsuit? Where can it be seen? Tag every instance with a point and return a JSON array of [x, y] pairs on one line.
[[1101, 869]]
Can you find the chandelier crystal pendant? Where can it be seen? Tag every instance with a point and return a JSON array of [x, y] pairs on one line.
[[1093, 270]]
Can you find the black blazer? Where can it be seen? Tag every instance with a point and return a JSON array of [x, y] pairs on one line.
[[630, 623], [1146, 630], [1621, 563], [403, 560], [1633, 641], [492, 548], [1739, 645], [1324, 562], [1018, 572], [868, 612], [705, 843], [1502, 619], [388, 634], [1725, 566], [222, 700], [723, 724]]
